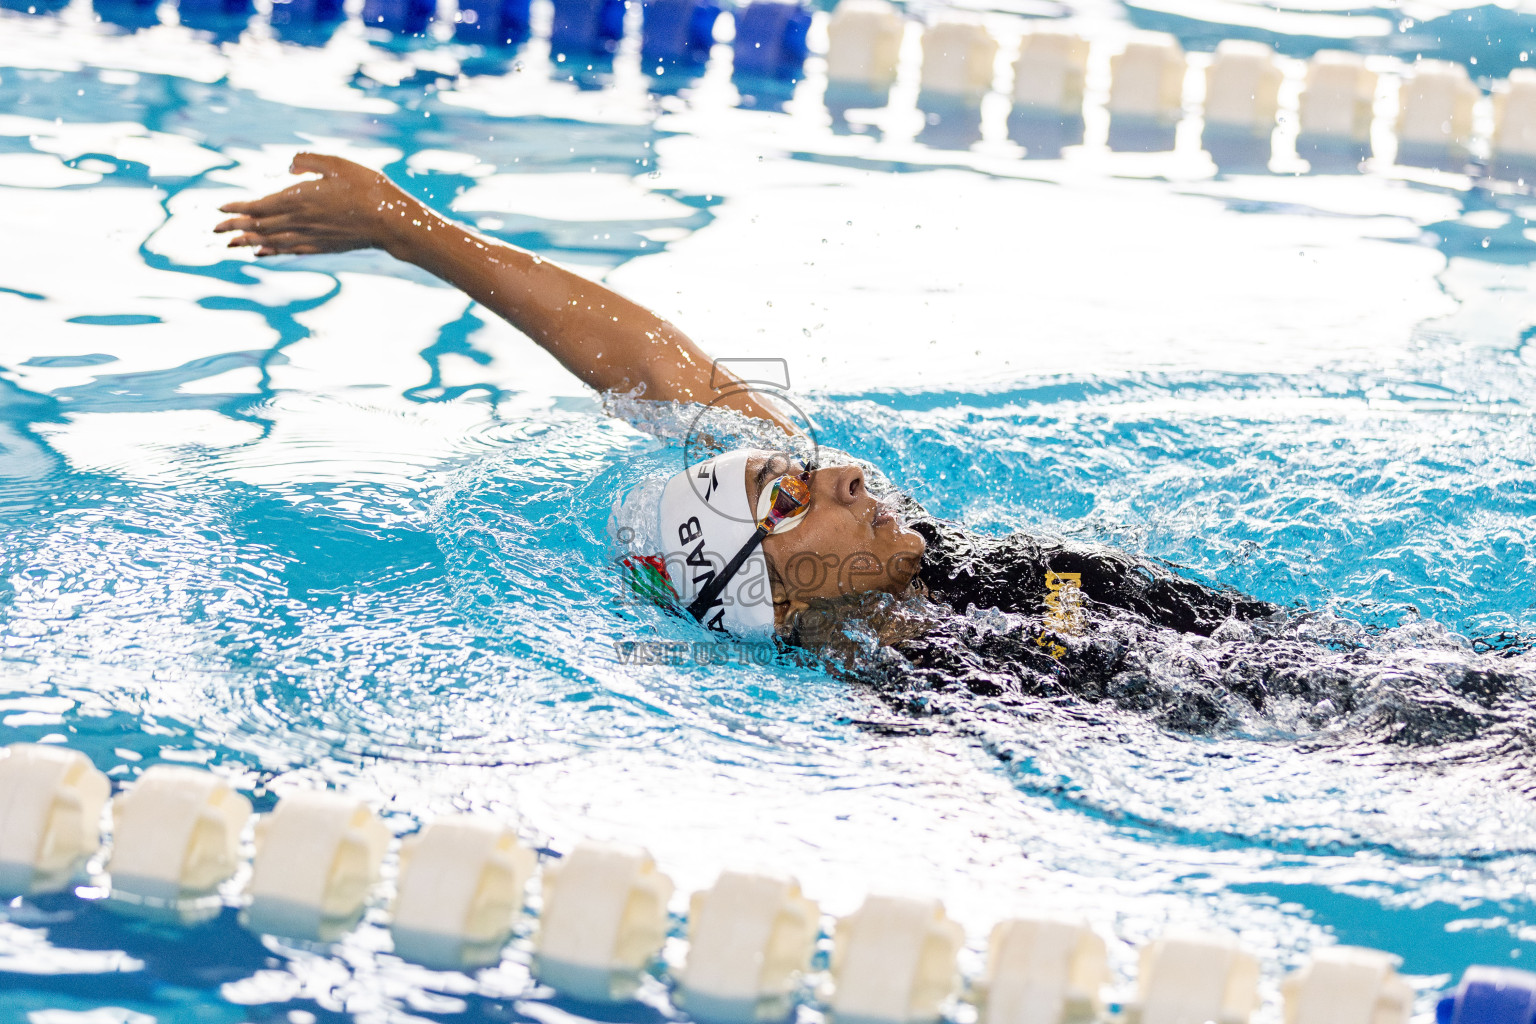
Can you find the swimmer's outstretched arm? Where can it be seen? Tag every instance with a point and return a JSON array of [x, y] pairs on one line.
[[608, 341]]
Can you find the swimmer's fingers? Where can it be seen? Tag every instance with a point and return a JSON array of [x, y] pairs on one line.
[[250, 239], [298, 238], [283, 242], [245, 222], [235, 224], [255, 207], [301, 239], [343, 209], [266, 206], [319, 163], [294, 197], [297, 250]]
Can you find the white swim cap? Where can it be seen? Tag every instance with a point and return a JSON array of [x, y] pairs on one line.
[[698, 524]]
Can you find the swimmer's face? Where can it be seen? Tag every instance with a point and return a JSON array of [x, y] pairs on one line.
[[848, 543]]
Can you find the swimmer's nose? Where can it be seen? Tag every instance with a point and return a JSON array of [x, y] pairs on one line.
[[843, 484]]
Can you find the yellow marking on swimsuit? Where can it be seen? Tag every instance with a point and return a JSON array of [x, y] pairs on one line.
[[1063, 604]]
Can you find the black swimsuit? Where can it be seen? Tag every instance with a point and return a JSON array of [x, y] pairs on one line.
[[1143, 639], [1012, 574]]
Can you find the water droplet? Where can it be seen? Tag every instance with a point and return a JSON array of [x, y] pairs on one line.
[[1485, 243]]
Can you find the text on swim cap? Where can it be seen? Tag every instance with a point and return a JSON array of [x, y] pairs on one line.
[[687, 533], [708, 470]]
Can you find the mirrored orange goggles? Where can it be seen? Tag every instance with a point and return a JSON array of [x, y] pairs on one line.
[[783, 504]]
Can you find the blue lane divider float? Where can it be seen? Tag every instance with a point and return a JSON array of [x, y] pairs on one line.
[[771, 40], [146, 7], [129, 14], [37, 7], [214, 8], [587, 26], [401, 17], [678, 33], [303, 13], [492, 22], [1490, 995]]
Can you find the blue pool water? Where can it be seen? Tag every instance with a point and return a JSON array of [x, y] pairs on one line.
[[325, 522]]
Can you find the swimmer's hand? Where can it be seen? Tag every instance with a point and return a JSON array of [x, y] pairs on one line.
[[603, 338], [348, 207]]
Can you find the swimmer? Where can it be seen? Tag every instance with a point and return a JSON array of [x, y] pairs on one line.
[[728, 541], [617, 346]]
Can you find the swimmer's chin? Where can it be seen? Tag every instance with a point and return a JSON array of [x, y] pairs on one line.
[[906, 565], [904, 529]]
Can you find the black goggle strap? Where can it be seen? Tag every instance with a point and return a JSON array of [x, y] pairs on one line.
[[700, 605]]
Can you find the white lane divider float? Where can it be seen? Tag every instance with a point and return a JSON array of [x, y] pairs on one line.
[[750, 938], [604, 919], [1338, 100], [175, 834], [1514, 125], [894, 962], [1050, 72], [1194, 979], [461, 886], [1242, 88], [1049, 77], [864, 45], [1147, 79], [1146, 94], [1043, 971], [1242, 99], [317, 856], [1348, 985], [1434, 121], [50, 815], [959, 62]]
